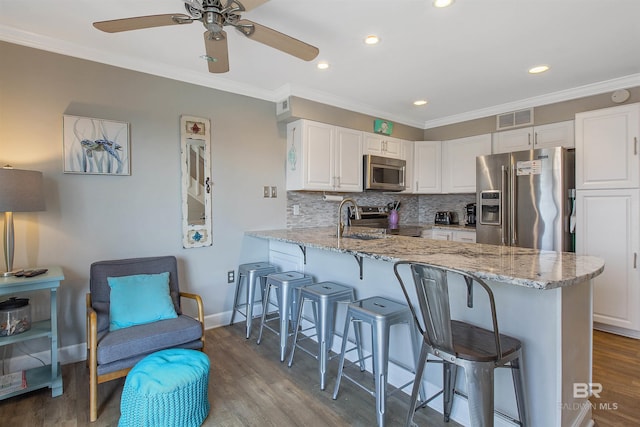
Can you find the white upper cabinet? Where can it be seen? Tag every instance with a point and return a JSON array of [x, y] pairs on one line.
[[407, 155], [381, 145], [427, 171], [529, 138], [459, 162], [323, 157], [607, 148]]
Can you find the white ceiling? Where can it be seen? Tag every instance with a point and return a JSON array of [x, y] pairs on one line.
[[469, 60]]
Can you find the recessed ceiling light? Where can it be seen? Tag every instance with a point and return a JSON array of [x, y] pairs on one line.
[[538, 69], [372, 39], [442, 3], [420, 102], [323, 65]]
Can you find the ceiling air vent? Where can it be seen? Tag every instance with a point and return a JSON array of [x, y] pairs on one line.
[[283, 106], [514, 119]]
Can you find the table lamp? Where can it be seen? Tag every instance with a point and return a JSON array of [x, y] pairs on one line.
[[20, 191]]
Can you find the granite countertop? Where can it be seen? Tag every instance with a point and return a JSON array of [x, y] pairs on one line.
[[512, 265]]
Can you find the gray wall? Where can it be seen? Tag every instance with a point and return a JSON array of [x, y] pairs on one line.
[[90, 218]]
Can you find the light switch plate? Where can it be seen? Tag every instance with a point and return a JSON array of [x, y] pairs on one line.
[[266, 191], [274, 191]]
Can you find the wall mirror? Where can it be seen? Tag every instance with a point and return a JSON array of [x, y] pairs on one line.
[[195, 147]]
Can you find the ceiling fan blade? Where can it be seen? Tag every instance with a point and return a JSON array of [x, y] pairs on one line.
[[277, 40], [217, 52], [252, 4], [139, 22]]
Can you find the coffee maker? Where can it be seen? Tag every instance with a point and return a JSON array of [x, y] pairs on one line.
[[470, 214]]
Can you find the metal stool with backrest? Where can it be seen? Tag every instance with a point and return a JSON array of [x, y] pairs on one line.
[[254, 273], [324, 297], [479, 351]]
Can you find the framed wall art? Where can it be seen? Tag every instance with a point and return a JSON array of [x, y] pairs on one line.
[[95, 146]]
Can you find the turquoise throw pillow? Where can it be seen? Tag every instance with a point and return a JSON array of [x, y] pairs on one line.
[[139, 299]]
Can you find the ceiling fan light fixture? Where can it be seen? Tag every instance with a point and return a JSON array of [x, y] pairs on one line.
[[420, 102], [442, 3], [372, 39], [323, 65], [538, 69]]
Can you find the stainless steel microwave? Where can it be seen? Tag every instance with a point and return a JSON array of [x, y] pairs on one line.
[[384, 173]]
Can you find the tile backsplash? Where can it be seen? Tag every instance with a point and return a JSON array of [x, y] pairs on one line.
[[316, 212]]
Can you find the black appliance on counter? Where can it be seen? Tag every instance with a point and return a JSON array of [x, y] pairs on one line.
[[378, 217], [470, 215], [446, 218]]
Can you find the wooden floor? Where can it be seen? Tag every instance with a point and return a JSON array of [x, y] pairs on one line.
[[248, 386], [616, 365]]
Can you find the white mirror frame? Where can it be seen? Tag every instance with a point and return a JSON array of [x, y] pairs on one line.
[[196, 189]]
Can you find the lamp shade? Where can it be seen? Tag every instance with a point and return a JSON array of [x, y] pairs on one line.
[[21, 190]]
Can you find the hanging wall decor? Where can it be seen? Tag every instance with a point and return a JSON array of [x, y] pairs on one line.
[[95, 146]]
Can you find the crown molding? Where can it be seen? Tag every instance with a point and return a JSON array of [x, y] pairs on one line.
[[536, 101]]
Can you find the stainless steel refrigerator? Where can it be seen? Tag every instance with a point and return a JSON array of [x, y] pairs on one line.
[[523, 198]]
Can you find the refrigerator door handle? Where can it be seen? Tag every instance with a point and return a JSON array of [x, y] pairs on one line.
[[512, 207], [503, 184]]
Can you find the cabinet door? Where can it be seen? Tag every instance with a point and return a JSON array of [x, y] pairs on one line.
[[513, 140], [381, 145], [464, 236], [607, 148], [427, 167], [348, 161], [437, 234], [318, 152], [459, 162], [554, 135], [607, 227], [407, 155]]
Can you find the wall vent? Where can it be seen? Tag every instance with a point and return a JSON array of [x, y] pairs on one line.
[[514, 119]]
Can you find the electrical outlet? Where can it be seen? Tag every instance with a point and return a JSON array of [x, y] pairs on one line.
[[231, 276], [274, 191], [296, 209], [266, 191]]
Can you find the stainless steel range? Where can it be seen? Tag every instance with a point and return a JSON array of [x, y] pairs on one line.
[[378, 217]]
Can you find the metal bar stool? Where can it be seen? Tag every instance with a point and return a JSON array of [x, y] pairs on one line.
[[287, 286], [380, 313], [324, 297], [252, 273], [479, 351]]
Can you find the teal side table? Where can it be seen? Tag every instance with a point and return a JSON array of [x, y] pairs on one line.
[[48, 375]]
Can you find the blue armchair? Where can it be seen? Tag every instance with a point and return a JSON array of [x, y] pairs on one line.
[[112, 353]]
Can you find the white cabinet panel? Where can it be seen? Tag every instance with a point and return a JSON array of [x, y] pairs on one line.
[[381, 145], [607, 148], [438, 234], [428, 167], [464, 236], [459, 162], [323, 157], [348, 161], [558, 134], [608, 227]]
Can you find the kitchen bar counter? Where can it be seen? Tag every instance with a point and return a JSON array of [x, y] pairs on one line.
[[543, 298], [517, 266]]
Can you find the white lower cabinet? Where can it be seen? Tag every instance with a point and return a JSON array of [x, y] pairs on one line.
[[464, 236], [608, 228]]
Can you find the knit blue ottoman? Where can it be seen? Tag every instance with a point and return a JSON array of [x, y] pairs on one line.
[[167, 388]]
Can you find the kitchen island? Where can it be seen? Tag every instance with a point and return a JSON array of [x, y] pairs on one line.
[[543, 298]]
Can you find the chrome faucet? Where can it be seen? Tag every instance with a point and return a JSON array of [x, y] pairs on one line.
[[340, 223]]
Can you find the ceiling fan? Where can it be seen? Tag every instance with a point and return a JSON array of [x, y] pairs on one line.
[[215, 15]]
